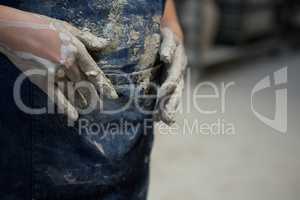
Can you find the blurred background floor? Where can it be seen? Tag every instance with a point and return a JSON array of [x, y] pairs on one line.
[[256, 162]]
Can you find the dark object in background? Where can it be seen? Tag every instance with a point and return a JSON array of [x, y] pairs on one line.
[[244, 20], [288, 16], [222, 31], [190, 17], [288, 20]]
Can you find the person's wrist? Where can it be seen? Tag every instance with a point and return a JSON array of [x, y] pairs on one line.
[[175, 27]]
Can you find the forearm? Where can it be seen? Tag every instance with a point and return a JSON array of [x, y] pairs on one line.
[[35, 32], [170, 19], [12, 14]]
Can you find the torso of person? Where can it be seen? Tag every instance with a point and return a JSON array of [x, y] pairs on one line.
[[60, 153]]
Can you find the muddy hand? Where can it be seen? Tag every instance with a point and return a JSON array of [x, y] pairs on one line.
[[172, 53], [60, 50]]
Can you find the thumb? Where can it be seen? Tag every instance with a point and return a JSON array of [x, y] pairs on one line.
[[90, 41]]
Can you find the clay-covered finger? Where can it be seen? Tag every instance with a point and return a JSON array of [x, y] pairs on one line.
[[168, 106], [175, 73], [166, 90], [73, 73], [167, 118], [91, 42], [171, 107], [66, 78], [64, 106], [88, 90], [82, 95], [163, 115], [80, 92], [94, 74]]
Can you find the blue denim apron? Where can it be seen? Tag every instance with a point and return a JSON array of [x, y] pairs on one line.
[[44, 158]]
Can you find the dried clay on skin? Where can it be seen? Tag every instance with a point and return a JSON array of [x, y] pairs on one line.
[[172, 53], [72, 50]]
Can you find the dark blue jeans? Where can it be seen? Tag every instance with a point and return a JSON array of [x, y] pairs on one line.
[[42, 157]]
